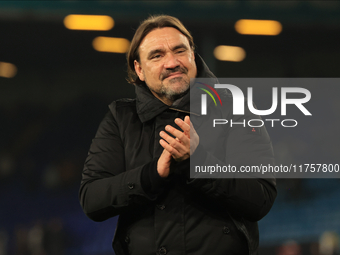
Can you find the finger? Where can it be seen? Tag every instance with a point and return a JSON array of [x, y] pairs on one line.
[[166, 153], [174, 142], [187, 120], [185, 139], [183, 125], [170, 149]]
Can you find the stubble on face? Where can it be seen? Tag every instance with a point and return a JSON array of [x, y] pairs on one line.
[[172, 88]]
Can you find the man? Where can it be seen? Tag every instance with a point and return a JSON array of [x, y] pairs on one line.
[[138, 163]]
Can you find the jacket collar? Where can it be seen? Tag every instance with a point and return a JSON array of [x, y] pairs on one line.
[[148, 106]]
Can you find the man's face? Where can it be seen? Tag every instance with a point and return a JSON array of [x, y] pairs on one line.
[[167, 63]]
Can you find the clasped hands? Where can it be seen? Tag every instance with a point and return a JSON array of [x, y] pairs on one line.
[[177, 148]]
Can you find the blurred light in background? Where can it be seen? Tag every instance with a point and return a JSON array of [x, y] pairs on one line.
[[258, 27], [229, 53], [88, 22], [111, 44], [7, 70]]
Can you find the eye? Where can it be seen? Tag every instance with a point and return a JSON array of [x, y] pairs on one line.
[[156, 56], [180, 51]]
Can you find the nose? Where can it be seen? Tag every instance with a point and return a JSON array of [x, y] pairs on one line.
[[170, 61]]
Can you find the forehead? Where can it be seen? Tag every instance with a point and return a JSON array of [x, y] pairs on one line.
[[166, 37]]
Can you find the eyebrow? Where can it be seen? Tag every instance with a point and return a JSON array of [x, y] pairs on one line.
[[182, 45], [179, 46]]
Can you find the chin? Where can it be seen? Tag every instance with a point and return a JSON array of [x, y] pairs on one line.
[[178, 84], [176, 94], [178, 90]]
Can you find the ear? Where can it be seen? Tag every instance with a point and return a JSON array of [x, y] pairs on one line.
[[139, 70]]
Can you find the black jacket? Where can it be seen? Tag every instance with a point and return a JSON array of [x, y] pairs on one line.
[[175, 215]]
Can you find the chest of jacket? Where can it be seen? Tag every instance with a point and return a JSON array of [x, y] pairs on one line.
[[179, 219]]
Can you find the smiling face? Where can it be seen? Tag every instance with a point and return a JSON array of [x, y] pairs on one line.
[[166, 64]]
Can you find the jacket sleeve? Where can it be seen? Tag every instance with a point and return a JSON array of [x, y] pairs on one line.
[[107, 189], [250, 198]]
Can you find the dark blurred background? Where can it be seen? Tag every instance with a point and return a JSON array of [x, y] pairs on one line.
[[55, 88]]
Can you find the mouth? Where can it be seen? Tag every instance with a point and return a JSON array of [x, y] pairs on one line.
[[173, 75]]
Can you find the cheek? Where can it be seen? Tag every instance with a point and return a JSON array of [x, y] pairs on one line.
[[191, 65], [153, 70], [192, 60], [188, 61]]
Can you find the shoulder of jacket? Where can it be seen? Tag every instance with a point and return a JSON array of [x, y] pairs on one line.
[[122, 105], [124, 102]]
